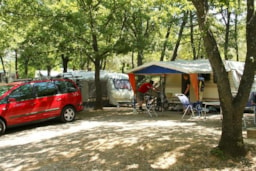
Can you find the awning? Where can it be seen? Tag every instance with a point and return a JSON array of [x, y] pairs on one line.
[[192, 67]]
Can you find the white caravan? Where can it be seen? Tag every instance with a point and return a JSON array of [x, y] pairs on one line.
[[116, 88]]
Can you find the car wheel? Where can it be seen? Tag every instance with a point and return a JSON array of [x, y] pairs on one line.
[[68, 114], [2, 127]]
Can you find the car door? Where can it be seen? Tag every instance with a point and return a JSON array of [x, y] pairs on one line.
[[21, 105], [46, 99], [69, 94]]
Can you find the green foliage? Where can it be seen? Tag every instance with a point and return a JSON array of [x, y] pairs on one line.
[[86, 30], [122, 46]]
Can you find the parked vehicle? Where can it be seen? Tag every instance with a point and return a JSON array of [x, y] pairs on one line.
[[26, 102]]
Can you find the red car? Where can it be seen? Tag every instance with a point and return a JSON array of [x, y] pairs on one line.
[[34, 101]]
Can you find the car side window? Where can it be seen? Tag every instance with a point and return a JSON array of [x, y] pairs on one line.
[[4, 100], [71, 87], [22, 93], [61, 86], [45, 89], [65, 86]]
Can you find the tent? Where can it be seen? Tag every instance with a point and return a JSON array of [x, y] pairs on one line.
[[191, 67]]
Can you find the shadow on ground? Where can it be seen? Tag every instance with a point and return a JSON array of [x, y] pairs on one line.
[[118, 139]]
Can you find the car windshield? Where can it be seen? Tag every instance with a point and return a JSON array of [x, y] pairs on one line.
[[4, 89]]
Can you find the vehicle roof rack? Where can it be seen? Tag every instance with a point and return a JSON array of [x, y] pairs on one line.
[[23, 80]]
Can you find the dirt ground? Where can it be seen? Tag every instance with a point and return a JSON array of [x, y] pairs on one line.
[[118, 139]]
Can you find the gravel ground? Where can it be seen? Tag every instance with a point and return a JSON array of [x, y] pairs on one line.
[[116, 139]]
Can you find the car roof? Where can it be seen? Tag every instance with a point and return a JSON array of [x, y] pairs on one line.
[[24, 81]]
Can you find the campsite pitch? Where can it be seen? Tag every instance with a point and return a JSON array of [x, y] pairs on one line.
[[118, 139]]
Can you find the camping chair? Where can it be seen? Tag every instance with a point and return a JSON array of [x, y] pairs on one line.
[[189, 107], [252, 106], [151, 103], [186, 104]]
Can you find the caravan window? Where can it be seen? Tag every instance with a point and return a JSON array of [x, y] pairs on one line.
[[122, 84]]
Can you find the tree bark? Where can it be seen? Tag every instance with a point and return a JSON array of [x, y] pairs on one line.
[[236, 37], [65, 61], [49, 68], [26, 61], [231, 142], [140, 62], [165, 41], [227, 31], [98, 103], [5, 75], [192, 42], [16, 64], [184, 21]]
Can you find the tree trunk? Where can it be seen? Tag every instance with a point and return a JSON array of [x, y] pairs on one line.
[[231, 142], [165, 41], [65, 61], [97, 64], [133, 65], [140, 62], [175, 52], [49, 68], [140, 57], [26, 61], [16, 64], [226, 45], [192, 36], [5, 75], [103, 64], [98, 103], [236, 37], [123, 67]]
